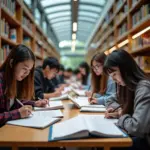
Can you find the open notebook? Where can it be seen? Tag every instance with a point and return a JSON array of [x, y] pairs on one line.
[[88, 126], [39, 119], [79, 92], [83, 102], [52, 105], [62, 97], [93, 109]]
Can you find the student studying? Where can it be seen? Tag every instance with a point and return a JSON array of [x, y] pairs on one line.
[[102, 85], [43, 86], [17, 90], [133, 94]]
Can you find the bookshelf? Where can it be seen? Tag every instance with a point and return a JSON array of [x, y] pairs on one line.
[[127, 27], [17, 26]]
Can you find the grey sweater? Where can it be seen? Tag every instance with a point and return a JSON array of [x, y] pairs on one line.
[[139, 123]]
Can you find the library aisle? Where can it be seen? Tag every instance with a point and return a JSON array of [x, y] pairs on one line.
[[74, 30]]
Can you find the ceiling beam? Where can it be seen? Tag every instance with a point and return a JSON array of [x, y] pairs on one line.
[[91, 4], [66, 10], [82, 20], [74, 6], [58, 11], [58, 17], [66, 3], [67, 20]]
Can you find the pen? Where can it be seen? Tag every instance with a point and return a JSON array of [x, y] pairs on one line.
[[117, 108], [40, 99], [21, 103], [91, 96]]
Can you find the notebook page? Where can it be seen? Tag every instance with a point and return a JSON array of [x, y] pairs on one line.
[[64, 96], [34, 121], [79, 92], [92, 109], [69, 128], [52, 105], [50, 113], [102, 126]]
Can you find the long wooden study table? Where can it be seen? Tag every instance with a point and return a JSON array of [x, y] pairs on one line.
[[15, 136]]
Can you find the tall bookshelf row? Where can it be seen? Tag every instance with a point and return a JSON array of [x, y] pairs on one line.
[[127, 26], [17, 26]]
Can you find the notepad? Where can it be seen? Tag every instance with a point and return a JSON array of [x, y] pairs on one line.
[[66, 90], [93, 109], [83, 102], [37, 120], [52, 105], [62, 97], [79, 92], [83, 127]]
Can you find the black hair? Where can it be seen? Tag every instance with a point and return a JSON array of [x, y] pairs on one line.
[[76, 71], [61, 67], [131, 75], [69, 70], [22, 89], [52, 62], [87, 70]]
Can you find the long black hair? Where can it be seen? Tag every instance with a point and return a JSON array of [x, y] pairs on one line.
[[25, 88], [99, 83], [87, 70], [131, 74]]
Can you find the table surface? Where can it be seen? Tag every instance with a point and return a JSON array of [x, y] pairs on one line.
[[22, 136]]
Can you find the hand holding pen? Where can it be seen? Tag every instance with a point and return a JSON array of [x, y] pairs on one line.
[[114, 113], [42, 102], [25, 110]]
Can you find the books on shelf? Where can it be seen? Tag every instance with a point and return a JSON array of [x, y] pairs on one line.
[[38, 49], [122, 29], [27, 41], [6, 50], [52, 106], [7, 31], [141, 41], [39, 119], [141, 14], [27, 23], [134, 2], [88, 126], [1, 56], [143, 62], [9, 5]]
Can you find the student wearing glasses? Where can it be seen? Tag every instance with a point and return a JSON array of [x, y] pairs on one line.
[[102, 85]]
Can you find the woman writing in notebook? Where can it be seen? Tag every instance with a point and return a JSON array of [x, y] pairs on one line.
[[103, 86], [133, 96], [17, 83]]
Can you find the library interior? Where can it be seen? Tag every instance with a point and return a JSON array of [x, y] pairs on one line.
[[74, 74]]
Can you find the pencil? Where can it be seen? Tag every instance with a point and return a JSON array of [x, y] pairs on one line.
[[21, 103], [117, 108], [40, 99], [91, 96]]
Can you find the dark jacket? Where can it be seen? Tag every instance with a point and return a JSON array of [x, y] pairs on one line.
[[41, 84]]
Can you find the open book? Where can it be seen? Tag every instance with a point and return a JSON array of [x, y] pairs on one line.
[[92, 109], [79, 92], [52, 105], [83, 102], [62, 97], [87, 126], [40, 119]]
